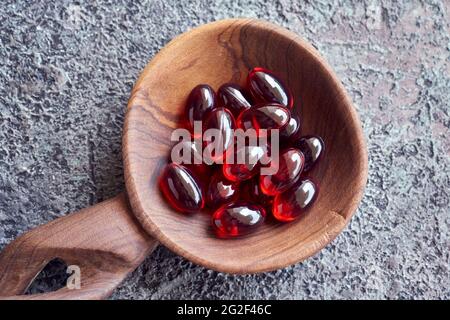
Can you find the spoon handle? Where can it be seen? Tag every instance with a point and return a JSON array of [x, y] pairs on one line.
[[101, 244]]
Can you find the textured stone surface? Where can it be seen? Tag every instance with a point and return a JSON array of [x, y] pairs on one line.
[[66, 71]]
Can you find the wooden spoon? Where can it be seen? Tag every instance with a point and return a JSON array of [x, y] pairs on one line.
[[110, 240]]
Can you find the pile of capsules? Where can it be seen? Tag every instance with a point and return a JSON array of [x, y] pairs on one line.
[[239, 194]]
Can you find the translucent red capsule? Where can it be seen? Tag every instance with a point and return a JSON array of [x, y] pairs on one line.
[[265, 86], [201, 100], [234, 98], [222, 120], [270, 116], [181, 188], [312, 147], [237, 219], [245, 164], [289, 205], [221, 191], [290, 165]]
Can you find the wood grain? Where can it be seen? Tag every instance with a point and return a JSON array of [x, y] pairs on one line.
[[221, 52], [105, 241]]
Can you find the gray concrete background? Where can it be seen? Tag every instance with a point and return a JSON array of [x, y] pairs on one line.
[[66, 70]]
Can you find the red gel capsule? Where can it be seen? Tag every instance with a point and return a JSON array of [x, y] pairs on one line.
[[267, 87], [290, 166], [181, 188], [233, 97], [237, 219], [312, 147], [289, 205], [221, 191], [201, 100], [270, 116], [222, 120], [246, 163]]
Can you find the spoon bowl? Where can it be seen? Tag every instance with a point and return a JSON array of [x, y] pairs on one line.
[[221, 52]]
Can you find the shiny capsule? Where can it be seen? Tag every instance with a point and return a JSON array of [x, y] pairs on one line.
[[237, 219], [201, 100], [270, 116], [312, 147], [181, 188], [290, 166], [234, 98], [222, 120], [289, 205], [264, 86], [221, 191], [245, 163]]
